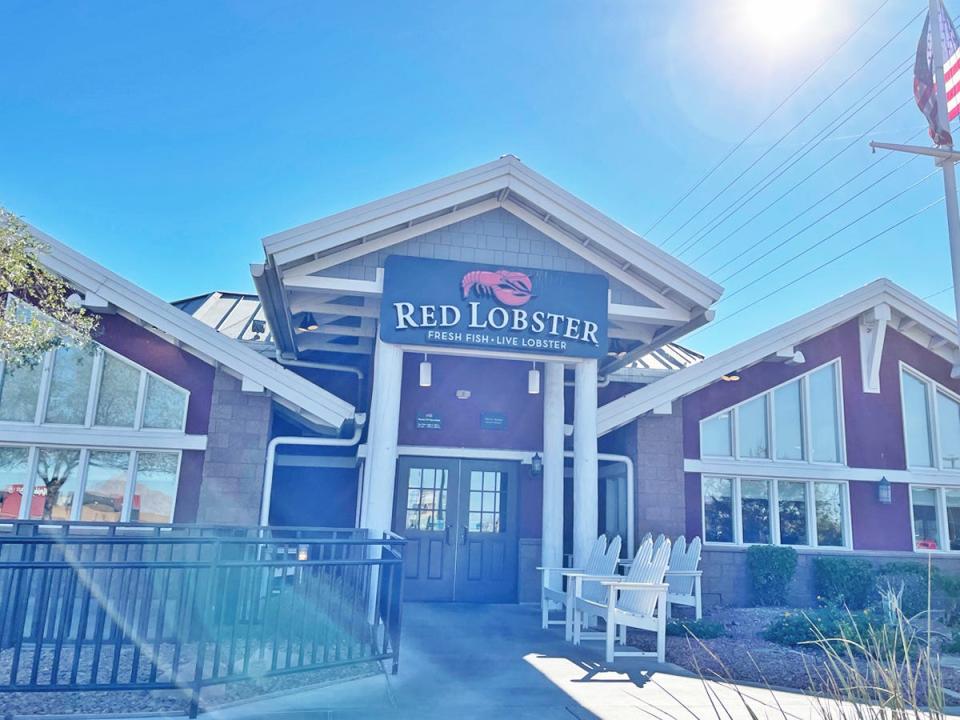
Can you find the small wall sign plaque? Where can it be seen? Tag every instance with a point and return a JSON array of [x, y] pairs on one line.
[[428, 421], [493, 421]]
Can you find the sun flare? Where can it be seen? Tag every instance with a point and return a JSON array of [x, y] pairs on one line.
[[779, 21]]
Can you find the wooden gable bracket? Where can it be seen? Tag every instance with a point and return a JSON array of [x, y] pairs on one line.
[[873, 331]]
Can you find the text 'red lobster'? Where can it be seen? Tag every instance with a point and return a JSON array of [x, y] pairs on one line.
[[509, 287]]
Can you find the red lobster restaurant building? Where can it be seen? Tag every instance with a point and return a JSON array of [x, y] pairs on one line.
[[494, 370]]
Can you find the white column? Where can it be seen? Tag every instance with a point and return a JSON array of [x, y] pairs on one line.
[[551, 548], [585, 496], [380, 468]]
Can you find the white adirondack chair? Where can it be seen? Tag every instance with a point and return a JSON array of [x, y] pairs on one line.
[[683, 575], [586, 585], [657, 542], [638, 600], [552, 592]]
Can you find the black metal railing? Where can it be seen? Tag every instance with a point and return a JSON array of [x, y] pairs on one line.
[[91, 606]]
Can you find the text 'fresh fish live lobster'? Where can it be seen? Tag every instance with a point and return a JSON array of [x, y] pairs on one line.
[[431, 302]]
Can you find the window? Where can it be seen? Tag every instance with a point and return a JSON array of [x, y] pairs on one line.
[[70, 386], [715, 436], [718, 509], [808, 513], [752, 428], [799, 421], [788, 421], [952, 498], [824, 420], [485, 495], [917, 420], [755, 511], [19, 390], [793, 513], [426, 499], [926, 521], [90, 387], [86, 484]]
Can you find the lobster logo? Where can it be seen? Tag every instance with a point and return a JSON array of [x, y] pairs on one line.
[[509, 287]]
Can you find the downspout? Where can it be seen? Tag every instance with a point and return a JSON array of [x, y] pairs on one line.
[[360, 420], [316, 365], [631, 510]]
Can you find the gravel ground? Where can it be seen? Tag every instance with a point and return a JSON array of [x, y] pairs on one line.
[[169, 701], [743, 655]]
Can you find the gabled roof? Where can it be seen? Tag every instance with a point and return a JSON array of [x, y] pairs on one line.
[[900, 309], [302, 264], [510, 184], [102, 287]]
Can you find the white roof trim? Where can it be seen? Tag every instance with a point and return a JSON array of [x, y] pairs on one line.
[[317, 238], [683, 382], [286, 386]]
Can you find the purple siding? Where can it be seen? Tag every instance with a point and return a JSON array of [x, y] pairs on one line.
[[496, 386], [873, 424], [181, 368]]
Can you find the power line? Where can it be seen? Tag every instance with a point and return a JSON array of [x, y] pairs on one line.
[[812, 144], [819, 267], [792, 188], [831, 235], [792, 129], [803, 212], [938, 292], [773, 112]]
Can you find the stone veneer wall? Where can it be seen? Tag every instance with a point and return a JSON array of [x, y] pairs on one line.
[[236, 454], [659, 496]]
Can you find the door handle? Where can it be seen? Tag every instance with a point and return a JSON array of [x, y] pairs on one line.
[[463, 535], [446, 533]]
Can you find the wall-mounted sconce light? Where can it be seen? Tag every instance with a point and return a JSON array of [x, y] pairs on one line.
[[732, 377], [426, 372], [536, 464], [884, 491], [533, 380], [308, 323]]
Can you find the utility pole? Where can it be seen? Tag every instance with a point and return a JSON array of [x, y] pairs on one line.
[[945, 158]]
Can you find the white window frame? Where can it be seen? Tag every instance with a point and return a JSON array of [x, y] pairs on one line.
[[96, 373], [774, 500], [933, 387], [771, 423], [943, 541], [75, 512]]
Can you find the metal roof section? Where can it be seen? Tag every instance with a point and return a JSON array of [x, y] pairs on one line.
[[237, 315], [299, 295], [879, 305], [104, 289]]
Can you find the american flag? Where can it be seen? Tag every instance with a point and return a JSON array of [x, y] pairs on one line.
[[924, 82]]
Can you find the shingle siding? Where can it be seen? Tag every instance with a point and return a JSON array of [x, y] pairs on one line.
[[495, 237]]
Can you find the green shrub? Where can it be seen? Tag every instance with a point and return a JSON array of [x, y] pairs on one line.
[[912, 577], [952, 645], [699, 629], [949, 589], [844, 581], [771, 570], [797, 628]]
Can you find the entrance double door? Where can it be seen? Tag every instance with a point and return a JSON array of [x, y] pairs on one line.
[[460, 521]]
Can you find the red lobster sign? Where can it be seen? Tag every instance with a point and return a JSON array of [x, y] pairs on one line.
[[509, 287]]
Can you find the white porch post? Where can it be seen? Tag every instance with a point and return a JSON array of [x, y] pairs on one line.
[[380, 467], [551, 548], [585, 495]]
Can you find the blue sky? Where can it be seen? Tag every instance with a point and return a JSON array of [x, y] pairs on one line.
[[165, 139]]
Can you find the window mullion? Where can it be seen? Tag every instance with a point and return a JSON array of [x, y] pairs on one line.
[[944, 540], [128, 493], [26, 499], [46, 371], [735, 432], [771, 429], [82, 484], [805, 419], [933, 413], [811, 496], [775, 511], [735, 496], [141, 401], [94, 395]]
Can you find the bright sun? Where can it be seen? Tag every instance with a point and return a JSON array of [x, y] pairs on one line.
[[779, 21]]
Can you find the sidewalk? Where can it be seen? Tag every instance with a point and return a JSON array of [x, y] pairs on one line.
[[493, 661]]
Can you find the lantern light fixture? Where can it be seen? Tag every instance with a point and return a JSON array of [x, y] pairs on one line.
[[884, 491], [536, 464], [426, 372], [533, 380]]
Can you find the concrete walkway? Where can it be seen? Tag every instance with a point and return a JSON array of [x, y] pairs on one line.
[[493, 661]]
